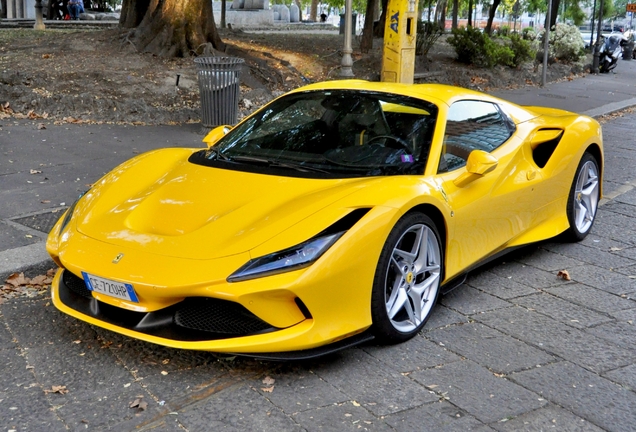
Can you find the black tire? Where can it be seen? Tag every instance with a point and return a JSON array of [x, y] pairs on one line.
[[582, 206], [404, 277]]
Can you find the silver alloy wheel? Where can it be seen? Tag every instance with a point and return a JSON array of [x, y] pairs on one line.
[[586, 196], [413, 278]]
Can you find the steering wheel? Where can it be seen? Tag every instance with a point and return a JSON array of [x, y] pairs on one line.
[[402, 144]]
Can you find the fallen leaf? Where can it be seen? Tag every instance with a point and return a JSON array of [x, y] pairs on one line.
[[268, 380], [34, 171], [57, 389], [268, 389], [563, 274], [139, 403], [164, 373], [41, 126], [615, 249], [17, 279]]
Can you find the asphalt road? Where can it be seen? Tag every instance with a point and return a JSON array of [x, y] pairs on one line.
[[515, 348]]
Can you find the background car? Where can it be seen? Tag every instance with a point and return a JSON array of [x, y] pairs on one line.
[[335, 214]]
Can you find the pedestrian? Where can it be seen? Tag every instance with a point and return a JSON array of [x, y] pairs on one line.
[[75, 7]]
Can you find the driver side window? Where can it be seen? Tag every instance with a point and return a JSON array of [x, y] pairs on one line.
[[472, 125]]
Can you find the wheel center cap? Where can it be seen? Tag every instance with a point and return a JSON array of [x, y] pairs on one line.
[[409, 278]]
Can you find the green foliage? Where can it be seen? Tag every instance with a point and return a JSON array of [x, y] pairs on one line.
[[529, 33], [427, 35], [522, 50], [574, 13], [475, 47], [565, 45], [503, 31]]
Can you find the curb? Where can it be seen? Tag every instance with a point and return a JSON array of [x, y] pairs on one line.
[[610, 108], [31, 260]]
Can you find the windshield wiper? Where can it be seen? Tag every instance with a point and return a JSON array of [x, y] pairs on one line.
[[277, 164], [218, 154]]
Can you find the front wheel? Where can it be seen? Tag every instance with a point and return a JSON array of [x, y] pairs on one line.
[[583, 199], [407, 279]]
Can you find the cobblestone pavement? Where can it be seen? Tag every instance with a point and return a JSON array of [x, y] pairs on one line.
[[514, 348]]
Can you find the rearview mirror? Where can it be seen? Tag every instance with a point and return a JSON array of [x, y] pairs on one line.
[[479, 163], [216, 134]]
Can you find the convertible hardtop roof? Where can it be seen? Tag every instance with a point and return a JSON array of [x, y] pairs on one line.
[[433, 92], [438, 94]]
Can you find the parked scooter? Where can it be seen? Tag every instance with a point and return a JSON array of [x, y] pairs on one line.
[[610, 51]]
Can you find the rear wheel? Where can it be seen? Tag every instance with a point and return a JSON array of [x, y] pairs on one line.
[[407, 279], [583, 199]]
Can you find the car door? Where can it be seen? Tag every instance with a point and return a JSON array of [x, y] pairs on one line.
[[491, 207]]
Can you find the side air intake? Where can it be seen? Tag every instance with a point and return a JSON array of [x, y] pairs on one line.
[[543, 143]]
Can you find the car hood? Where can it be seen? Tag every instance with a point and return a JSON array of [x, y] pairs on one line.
[[161, 203]]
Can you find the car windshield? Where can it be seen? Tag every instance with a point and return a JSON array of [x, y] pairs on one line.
[[337, 133]]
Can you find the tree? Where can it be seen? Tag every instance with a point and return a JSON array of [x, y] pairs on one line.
[[170, 28], [378, 31], [313, 10], [455, 13], [491, 16], [554, 12], [366, 42]]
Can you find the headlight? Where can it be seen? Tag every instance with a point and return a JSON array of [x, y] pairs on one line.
[[294, 258]]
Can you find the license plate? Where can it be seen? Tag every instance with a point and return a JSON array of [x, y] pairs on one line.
[[110, 288]]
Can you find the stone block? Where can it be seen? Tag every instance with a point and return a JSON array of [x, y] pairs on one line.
[[550, 417], [489, 348], [376, 387], [569, 343], [470, 301], [584, 393], [478, 391], [294, 13], [563, 311], [284, 13]]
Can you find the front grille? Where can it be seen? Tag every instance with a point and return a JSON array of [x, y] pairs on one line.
[[76, 284], [218, 316]]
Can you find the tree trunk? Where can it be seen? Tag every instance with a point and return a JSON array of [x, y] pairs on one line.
[[455, 12], [491, 16], [132, 12], [378, 30], [470, 13], [313, 11], [366, 43], [440, 13], [553, 13], [176, 28]]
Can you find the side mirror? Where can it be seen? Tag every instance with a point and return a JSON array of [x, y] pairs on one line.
[[478, 164], [216, 134]]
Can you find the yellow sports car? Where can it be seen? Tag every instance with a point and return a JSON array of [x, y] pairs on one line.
[[334, 214]]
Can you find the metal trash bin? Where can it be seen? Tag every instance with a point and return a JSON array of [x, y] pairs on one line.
[[219, 89], [354, 20]]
